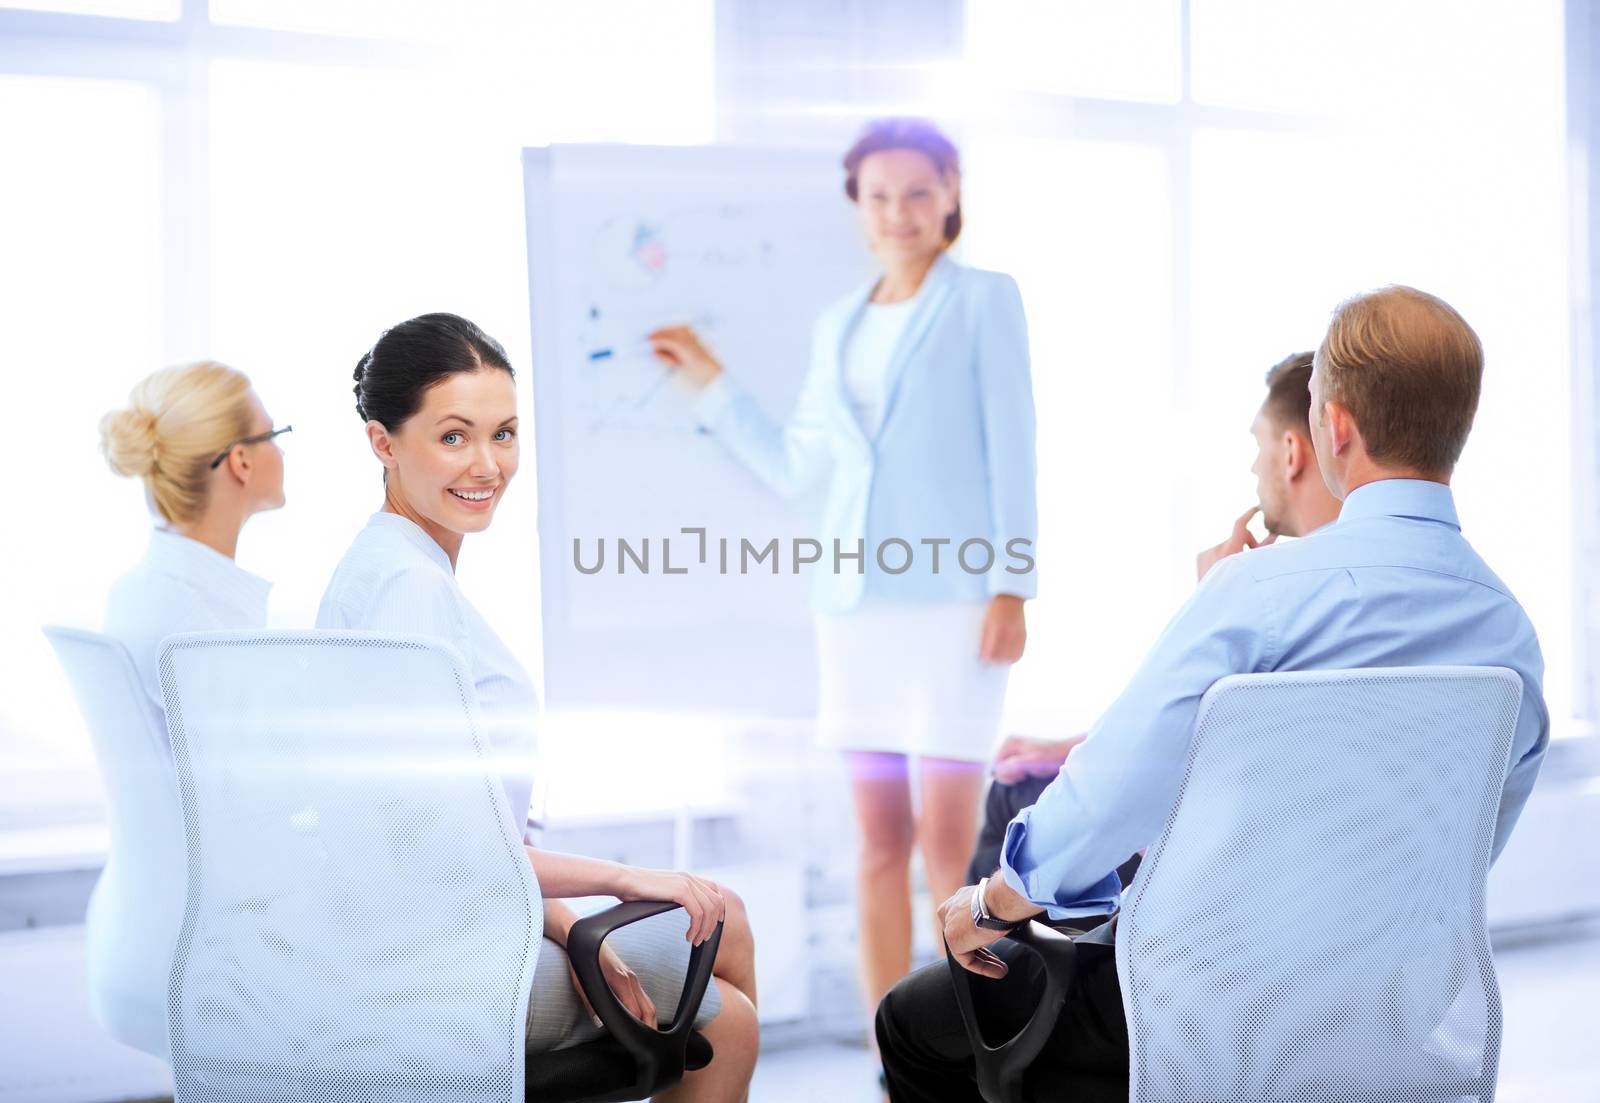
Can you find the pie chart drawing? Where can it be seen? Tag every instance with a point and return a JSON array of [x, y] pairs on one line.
[[631, 254]]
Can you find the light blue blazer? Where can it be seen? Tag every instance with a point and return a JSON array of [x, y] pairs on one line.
[[952, 460]]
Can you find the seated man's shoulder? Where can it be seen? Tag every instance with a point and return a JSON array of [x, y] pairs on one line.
[[1321, 550], [1440, 553]]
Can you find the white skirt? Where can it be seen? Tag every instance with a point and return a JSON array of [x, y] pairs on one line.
[[906, 678]]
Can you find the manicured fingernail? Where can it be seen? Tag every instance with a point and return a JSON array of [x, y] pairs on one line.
[[596, 1020]]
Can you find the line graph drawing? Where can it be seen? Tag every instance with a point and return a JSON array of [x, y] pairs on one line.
[[720, 266]]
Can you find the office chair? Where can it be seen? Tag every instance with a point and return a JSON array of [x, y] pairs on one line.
[[1310, 925], [362, 921], [137, 904]]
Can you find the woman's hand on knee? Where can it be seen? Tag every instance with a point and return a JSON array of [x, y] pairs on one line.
[[624, 983], [700, 898], [732, 904]]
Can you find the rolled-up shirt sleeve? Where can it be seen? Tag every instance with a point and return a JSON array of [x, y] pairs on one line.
[[1115, 791]]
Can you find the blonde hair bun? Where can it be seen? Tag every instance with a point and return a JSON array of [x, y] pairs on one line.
[[175, 423], [128, 439]]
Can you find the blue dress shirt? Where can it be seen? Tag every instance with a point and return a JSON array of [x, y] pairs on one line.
[[1391, 583]]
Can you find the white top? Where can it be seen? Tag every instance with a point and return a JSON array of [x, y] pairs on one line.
[[181, 586], [396, 578], [137, 907], [868, 352]]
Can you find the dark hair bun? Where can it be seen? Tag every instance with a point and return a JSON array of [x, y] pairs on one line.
[[415, 355], [360, 374]]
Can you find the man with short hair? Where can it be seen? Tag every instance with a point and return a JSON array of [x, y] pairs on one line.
[[1392, 582], [1292, 500], [1290, 494]]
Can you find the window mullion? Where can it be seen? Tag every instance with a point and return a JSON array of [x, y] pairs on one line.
[[185, 207]]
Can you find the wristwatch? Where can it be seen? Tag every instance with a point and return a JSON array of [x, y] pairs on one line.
[[981, 916]]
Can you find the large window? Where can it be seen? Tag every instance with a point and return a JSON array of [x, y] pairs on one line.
[[1184, 189], [80, 261], [269, 184], [1172, 247], [1086, 229]]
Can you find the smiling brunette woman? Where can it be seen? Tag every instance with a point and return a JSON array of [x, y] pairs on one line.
[[440, 408]]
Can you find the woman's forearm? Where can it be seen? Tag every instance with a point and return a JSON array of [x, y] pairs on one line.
[[558, 920], [566, 875]]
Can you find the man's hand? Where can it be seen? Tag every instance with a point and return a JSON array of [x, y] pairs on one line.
[[968, 942], [1238, 540], [1020, 757]]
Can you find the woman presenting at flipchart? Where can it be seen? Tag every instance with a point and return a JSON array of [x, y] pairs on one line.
[[919, 399]]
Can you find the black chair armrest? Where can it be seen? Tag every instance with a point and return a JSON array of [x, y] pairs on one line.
[[658, 1054], [1001, 1068]]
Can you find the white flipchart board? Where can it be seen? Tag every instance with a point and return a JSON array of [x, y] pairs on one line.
[[747, 246]]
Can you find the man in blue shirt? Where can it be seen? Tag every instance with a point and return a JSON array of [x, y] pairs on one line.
[[1392, 583], [1292, 500]]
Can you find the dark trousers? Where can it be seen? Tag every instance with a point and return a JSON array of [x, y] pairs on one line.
[[927, 1055]]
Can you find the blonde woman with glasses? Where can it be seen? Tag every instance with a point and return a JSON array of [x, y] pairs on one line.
[[200, 441]]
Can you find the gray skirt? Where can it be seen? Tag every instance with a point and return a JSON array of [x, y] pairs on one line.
[[653, 948]]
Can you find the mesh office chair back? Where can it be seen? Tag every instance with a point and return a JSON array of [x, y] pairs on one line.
[[362, 922], [1310, 925], [137, 904]]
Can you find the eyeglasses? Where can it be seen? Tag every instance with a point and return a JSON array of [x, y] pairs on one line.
[[259, 438]]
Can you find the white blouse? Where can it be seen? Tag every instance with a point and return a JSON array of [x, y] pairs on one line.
[[868, 352], [396, 578], [181, 586], [137, 908]]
